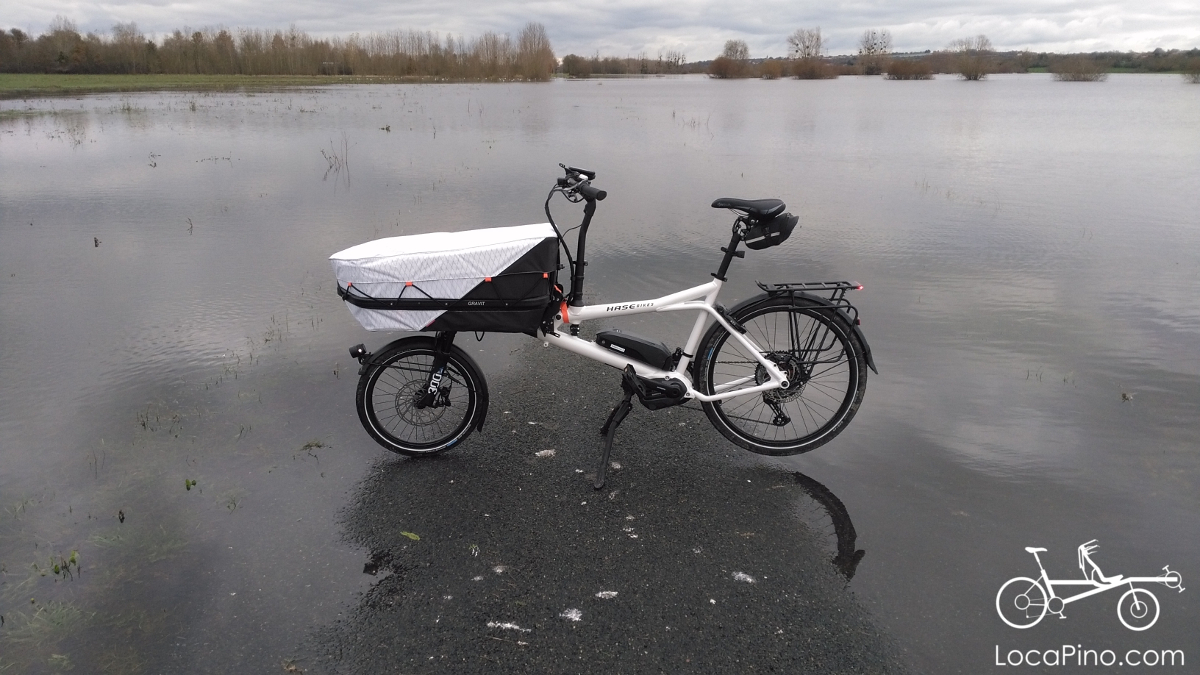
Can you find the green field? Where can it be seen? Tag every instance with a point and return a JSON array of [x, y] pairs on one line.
[[23, 85]]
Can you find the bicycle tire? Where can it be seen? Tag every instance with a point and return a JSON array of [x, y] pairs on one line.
[[397, 376], [1024, 610], [827, 375], [1137, 609]]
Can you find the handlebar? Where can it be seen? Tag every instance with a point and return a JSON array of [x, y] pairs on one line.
[[591, 175], [591, 193], [579, 181]]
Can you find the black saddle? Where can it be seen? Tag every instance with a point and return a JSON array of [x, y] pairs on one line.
[[757, 208]]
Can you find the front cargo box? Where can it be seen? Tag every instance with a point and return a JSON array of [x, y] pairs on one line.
[[496, 280]]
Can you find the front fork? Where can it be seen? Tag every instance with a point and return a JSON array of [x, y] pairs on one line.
[[437, 386]]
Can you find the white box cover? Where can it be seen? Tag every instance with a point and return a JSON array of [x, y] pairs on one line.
[[444, 265]]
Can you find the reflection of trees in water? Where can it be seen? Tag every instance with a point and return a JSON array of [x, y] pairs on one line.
[[847, 557]]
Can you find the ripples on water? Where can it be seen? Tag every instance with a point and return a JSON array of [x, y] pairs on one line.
[[1029, 250]]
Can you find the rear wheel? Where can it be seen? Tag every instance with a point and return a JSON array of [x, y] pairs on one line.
[[816, 349], [391, 389], [1021, 602]]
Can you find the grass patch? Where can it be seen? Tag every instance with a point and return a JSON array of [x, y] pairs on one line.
[[145, 546], [24, 85], [48, 623]]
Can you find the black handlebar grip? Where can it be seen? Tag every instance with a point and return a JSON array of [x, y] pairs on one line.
[[590, 192]]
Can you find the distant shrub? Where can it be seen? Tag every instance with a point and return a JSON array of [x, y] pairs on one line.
[[723, 68], [1191, 70], [874, 51], [909, 69], [771, 69], [973, 57], [1079, 69], [576, 66], [813, 69], [733, 61]]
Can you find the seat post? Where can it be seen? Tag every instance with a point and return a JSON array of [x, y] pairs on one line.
[[730, 252], [1039, 562]]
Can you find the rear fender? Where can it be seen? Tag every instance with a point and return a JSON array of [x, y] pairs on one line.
[[824, 303]]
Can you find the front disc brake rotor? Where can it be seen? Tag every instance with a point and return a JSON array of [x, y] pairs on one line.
[[406, 399]]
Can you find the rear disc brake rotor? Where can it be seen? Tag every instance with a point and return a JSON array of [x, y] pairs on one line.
[[791, 366]]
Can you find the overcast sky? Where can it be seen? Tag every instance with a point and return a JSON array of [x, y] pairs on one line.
[[696, 27]]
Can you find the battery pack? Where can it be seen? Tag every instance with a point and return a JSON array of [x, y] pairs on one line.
[[636, 347]]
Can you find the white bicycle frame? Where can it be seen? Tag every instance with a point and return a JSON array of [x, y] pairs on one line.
[[700, 299], [1097, 587]]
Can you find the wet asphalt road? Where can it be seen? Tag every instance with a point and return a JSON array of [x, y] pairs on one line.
[[691, 559]]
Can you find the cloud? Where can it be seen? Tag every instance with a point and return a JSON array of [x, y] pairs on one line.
[[697, 27]]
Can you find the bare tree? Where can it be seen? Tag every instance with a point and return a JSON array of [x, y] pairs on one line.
[[736, 50], [806, 43], [973, 57], [535, 53], [733, 61], [674, 60], [874, 47], [128, 47]]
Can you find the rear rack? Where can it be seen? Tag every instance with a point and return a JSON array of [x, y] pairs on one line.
[[836, 291]]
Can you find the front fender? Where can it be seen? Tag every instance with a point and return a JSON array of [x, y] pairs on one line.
[[368, 361]]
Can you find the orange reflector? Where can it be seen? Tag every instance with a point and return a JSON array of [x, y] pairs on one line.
[[487, 279], [408, 283], [545, 276]]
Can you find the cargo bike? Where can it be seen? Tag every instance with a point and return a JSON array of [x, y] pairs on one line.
[[778, 374]]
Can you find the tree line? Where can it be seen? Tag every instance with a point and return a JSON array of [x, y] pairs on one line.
[[63, 49], [528, 56], [672, 62], [971, 58]]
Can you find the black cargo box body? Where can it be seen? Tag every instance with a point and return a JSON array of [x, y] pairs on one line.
[[496, 280]]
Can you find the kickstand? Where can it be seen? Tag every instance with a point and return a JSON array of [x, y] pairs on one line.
[[609, 430]]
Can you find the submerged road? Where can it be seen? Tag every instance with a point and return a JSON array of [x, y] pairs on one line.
[[498, 556]]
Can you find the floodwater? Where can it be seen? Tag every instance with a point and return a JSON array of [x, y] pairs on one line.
[[1030, 252]]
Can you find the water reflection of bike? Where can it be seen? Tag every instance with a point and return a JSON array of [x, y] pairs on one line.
[[1022, 602], [848, 557]]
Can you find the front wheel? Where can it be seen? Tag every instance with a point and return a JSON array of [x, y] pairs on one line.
[[391, 390], [1137, 609], [814, 345]]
